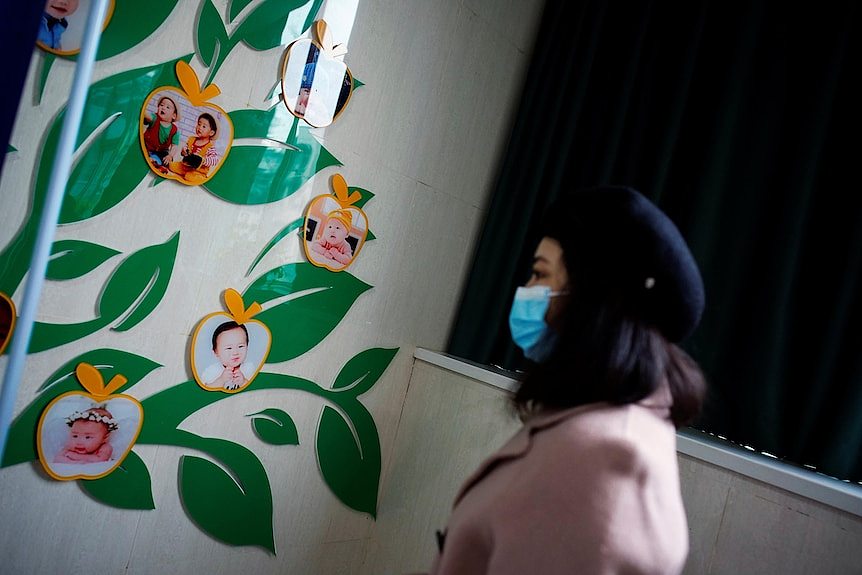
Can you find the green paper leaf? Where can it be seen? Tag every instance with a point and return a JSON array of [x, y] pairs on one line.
[[350, 463], [277, 123], [44, 68], [261, 174], [136, 287], [363, 370], [300, 323], [275, 427], [370, 236], [113, 163], [147, 272], [127, 487], [75, 258], [211, 33], [11, 148], [131, 23], [357, 83], [236, 7], [366, 196], [266, 26], [106, 172], [170, 407], [294, 225], [21, 443], [235, 508]]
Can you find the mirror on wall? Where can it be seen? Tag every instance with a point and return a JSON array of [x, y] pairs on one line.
[[316, 86]]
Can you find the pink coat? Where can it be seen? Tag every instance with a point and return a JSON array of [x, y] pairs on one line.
[[592, 490]]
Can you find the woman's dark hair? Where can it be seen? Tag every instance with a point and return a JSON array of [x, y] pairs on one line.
[[605, 351], [227, 326]]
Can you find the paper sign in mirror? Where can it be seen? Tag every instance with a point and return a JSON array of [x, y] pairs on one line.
[[184, 137], [316, 84], [7, 320], [61, 27], [87, 435], [229, 348], [335, 229]]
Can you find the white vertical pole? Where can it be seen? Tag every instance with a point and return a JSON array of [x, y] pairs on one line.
[[50, 215]]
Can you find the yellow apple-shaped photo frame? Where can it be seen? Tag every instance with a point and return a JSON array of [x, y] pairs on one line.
[[335, 229], [87, 435], [316, 84], [229, 348], [185, 137], [7, 320], [61, 27]]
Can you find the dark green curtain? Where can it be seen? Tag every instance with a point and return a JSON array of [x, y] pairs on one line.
[[742, 121]]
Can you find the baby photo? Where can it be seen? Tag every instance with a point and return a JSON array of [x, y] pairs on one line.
[[7, 320], [183, 142], [80, 438], [226, 355], [61, 28], [333, 234]]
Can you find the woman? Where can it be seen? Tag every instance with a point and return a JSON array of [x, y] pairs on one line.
[[590, 483]]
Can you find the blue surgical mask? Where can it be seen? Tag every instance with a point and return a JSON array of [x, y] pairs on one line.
[[530, 332]]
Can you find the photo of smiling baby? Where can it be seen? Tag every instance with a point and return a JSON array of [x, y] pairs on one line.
[[227, 355], [333, 234], [181, 141], [82, 438], [88, 437], [230, 347]]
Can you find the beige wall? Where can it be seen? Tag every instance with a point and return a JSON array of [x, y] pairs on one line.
[[424, 134], [737, 525]]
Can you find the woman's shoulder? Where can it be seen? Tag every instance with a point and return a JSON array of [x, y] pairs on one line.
[[624, 437]]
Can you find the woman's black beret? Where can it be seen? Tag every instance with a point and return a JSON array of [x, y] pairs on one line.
[[635, 250]]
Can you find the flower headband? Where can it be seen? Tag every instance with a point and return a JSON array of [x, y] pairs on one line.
[[88, 415]]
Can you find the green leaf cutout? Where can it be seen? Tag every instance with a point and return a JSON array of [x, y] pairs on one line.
[[243, 512], [367, 195], [21, 445], [236, 7], [127, 487], [150, 269], [75, 258], [300, 323], [170, 407], [294, 225], [135, 288], [363, 370], [275, 427], [44, 68], [370, 236], [211, 34], [131, 23], [113, 164], [260, 174], [106, 172], [11, 148], [266, 26], [350, 463], [357, 83]]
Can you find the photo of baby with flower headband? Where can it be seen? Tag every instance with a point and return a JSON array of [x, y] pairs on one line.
[[82, 438], [88, 436]]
